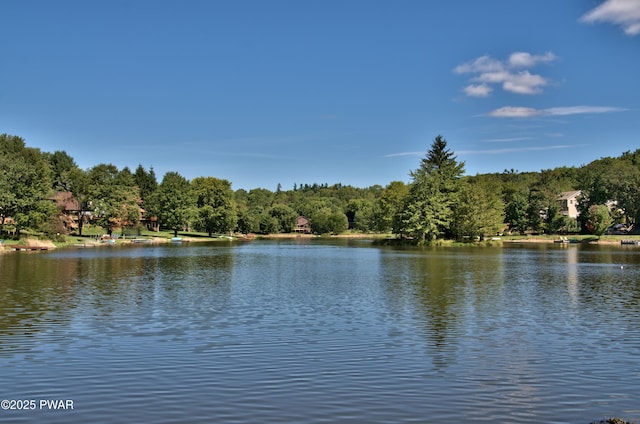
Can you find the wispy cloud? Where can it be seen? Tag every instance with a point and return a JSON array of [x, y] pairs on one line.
[[514, 112], [494, 151], [527, 112], [512, 74], [395, 155], [507, 140], [516, 149], [625, 13]]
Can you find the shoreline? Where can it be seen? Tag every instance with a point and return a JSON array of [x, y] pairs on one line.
[[89, 243]]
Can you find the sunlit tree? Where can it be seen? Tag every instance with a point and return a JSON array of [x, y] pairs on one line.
[[433, 193]]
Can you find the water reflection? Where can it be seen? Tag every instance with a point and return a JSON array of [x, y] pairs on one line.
[[317, 331], [81, 295]]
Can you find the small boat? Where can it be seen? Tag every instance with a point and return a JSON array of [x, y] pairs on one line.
[[633, 242], [566, 240], [176, 239]]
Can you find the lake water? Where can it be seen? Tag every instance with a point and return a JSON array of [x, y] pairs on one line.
[[311, 331]]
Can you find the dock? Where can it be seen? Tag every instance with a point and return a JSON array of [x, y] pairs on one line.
[[28, 248], [634, 242]]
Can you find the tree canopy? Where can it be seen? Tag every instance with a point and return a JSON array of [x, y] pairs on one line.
[[433, 193], [438, 201]]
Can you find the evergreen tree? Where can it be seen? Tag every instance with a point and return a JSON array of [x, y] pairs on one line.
[[146, 182], [433, 193]]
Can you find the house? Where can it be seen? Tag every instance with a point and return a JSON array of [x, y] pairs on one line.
[[150, 222], [66, 202], [568, 202], [302, 225], [69, 207]]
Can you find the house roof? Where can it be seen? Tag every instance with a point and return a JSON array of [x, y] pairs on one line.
[[66, 200], [569, 194]]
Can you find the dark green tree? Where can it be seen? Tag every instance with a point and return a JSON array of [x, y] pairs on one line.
[[433, 193], [216, 205], [174, 202], [285, 216], [480, 211], [25, 181], [391, 204], [597, 219], [327, 221], [360, 214], [114, 197], [516, 213], [146, 182], [61, 166]]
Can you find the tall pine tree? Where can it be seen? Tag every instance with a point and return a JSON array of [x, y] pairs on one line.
[[433, 194]]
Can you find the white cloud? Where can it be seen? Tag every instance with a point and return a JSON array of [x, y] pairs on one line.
[[481, 64], [527, 60], [526, 112], [625, 13], [514, 112], [511, 74], [481, 90], [577, 110], [524, 83]]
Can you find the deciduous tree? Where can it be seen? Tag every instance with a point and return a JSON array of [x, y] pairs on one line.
[[25, 180], [174, 202], [480, 211], [216, 205]]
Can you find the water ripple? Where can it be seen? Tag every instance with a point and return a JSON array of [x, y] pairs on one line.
[[317, 333]]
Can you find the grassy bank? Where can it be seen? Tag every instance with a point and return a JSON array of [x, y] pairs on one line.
[[93, 236]]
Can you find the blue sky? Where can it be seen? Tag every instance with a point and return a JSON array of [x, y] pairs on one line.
[[268, 92]]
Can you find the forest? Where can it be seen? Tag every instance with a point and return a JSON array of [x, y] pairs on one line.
[[439, 200]]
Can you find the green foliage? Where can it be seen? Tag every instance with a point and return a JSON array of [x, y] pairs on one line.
[[613, 181], [80, 187], [115, 199], [563, 225], [597, 219], [360, 214], [25, 180], [390, 206], [480, 211], [433, 193], [285, 218], [326, 221], [215, 204], [516, 213], [438, 201], [146, 182], [174, 202], [61, 165]]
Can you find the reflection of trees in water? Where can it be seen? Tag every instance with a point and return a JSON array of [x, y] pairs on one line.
[[444, 287], [155, 295], [89, 296], [35, 295]]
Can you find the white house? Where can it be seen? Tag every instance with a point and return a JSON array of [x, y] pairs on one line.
[[569, 203]]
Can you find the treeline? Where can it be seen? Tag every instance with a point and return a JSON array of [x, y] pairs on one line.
[[438, 201]]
